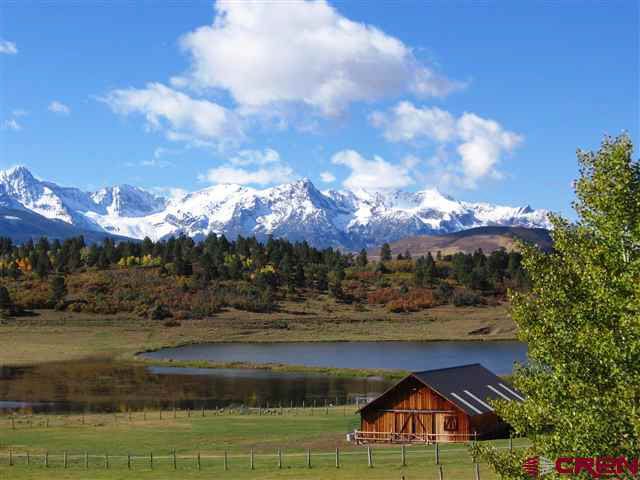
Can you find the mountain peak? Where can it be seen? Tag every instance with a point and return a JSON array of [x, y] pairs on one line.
[[297, 210], [17, 172]]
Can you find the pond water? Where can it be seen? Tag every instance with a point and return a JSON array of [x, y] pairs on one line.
[[107, 386], [497, 356]]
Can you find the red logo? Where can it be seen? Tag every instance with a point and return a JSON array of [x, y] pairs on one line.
[[596, 467]]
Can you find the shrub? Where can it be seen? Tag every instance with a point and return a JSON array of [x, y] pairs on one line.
[[160, 312], [466, 298]]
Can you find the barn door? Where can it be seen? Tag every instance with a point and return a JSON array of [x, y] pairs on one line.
[[405, 425]]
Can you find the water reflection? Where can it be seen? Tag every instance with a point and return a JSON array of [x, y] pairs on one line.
[[105, 386]]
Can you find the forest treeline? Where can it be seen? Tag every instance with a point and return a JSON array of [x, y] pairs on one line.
[[185, 278]]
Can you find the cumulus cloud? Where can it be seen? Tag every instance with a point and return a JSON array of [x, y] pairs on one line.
[[480, 143], [406, 122], [375, 174], [181, 117], [304, 51], [59, 108], [8, 48], [255, 157], [327, 177], [241, 176], [19, 112], [11, 124], [268, 169]]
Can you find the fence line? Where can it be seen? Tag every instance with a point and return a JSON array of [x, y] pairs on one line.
[[404, 454]]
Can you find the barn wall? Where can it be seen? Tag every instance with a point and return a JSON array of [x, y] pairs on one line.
[[410, 394]]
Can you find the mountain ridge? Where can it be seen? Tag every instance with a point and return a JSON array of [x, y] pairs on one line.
[[298, 211]]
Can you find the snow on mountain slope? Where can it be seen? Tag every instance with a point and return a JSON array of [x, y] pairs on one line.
[[297, 211]]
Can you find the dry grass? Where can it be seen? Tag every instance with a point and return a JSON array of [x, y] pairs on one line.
[[59, 336]]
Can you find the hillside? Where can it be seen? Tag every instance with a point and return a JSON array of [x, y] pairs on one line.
[[488, 239], [21, 225]]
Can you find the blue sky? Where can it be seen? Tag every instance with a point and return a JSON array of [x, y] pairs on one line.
[[488, 101]]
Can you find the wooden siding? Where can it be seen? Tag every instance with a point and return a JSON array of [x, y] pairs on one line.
[[412, 408]]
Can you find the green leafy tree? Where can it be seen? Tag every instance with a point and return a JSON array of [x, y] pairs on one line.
[[581, 321]]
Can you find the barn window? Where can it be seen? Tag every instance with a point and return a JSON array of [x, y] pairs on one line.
[[451, 423]]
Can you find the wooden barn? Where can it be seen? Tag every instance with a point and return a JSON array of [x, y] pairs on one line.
[[445, 405]]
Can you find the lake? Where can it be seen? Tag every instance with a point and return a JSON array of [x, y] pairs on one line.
[[497, 356], [106, 385]]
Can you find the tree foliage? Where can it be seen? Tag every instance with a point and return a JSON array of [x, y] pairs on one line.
[[581, 321]]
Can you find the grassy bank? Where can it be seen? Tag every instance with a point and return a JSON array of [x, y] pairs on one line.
[[293, 432], [59, 336]]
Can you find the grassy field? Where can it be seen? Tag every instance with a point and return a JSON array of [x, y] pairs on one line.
[[60, 336], [293, 432]]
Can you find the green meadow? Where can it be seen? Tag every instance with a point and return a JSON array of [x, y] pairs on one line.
[[107, 446]]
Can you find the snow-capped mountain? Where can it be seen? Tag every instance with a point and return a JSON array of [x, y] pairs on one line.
[[297, 211]]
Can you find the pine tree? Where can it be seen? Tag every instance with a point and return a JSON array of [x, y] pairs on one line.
[[581, 322], [362, 260], [6, 304], [385, 252], [58, 288]]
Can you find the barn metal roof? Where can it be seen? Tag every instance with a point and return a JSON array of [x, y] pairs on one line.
[[469, 387]]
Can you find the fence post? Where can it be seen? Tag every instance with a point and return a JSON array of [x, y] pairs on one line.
[[151, 460], [86, 460], [160, 412], [326, 407], [144, 413], [337, 457], [128, 461], [440, 473], [369, 457], [226, 461], [175, 463], [65, 459], [47, 423], [308, 458], [13, 423], [476, 470], [279, 458], [251, 460], [199, 466], [437, 453], [46, 459], [511, 444], [106, 461], [403, 455], [203, 409], [10, 458], [28, 458]]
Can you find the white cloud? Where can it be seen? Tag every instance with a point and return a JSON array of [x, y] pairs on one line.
[[270, 169], [255, 157], [19, 112], [376, 174], [183, 118], [241, 176], [304, 51], [480, 143], [406, 122], [11, 124], [8, 48], [327, 177], [59, 107], [484, 143]]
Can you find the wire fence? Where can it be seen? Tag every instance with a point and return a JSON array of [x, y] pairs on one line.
[[452, 459]]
